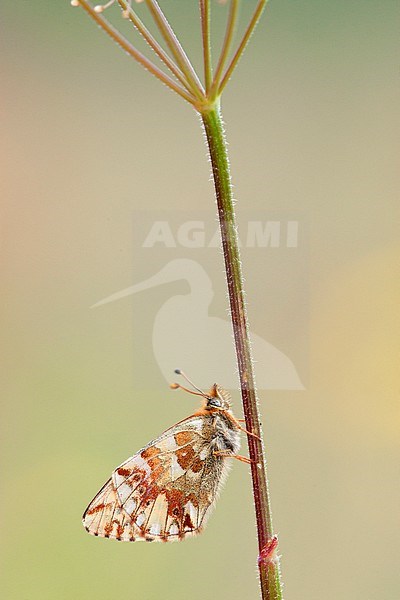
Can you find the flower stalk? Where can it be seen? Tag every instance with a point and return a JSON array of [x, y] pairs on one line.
[[268, 563], [183, 79]]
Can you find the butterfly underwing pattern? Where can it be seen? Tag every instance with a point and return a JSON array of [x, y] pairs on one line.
[[166, 491]]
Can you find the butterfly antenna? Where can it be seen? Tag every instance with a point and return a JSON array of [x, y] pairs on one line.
[[179, 372], [177, 385]]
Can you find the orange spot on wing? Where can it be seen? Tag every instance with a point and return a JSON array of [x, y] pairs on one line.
[[175, 499], [95, 509], [184, 437], [154, 463], [197, 465], [124, 472], [150, 493], [138, 476], [187, 522], [150, 452], [185, 456]]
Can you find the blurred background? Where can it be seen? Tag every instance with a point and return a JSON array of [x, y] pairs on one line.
[[89, 142]]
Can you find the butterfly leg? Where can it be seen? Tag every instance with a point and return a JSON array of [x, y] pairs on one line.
[[249, 433], [237, 423], [228, 454]]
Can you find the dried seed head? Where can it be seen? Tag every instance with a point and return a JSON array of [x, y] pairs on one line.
[[182, 77], [99, 8]]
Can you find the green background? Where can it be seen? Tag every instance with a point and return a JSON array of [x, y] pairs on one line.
[[87, 138]]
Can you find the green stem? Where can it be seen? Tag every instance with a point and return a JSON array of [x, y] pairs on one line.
[[268, 561]]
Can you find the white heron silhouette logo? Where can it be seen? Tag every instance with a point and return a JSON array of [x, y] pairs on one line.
[[185, 334]]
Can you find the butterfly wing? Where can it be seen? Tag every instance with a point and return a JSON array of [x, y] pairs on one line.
[[105, 518], [165, 491]]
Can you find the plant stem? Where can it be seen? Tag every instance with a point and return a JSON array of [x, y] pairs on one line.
[[152, 42], [205, 32], [251, 27], [176, 49], [133, 52], [268, 561], [230, 30]]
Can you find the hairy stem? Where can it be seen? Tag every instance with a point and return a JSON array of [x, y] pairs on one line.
[[268, 562]]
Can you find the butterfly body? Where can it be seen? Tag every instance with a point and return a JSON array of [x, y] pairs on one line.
[[165, 492]]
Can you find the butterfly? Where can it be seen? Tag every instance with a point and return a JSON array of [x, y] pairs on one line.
[[166, 491]]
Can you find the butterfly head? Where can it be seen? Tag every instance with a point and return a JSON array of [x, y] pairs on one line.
[[217, 399]]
